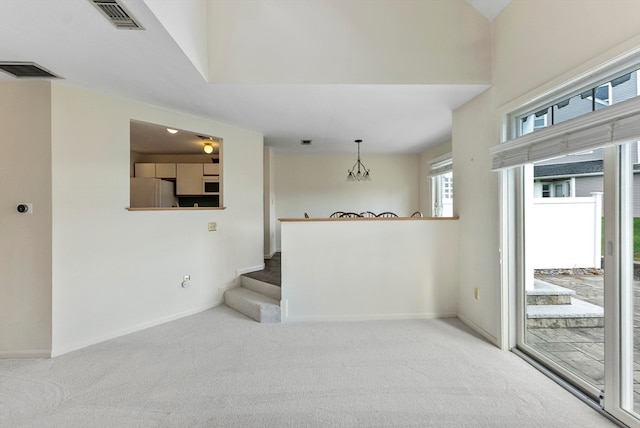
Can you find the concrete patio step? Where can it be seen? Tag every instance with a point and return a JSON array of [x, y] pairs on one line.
[[577, 314], [545, 293]]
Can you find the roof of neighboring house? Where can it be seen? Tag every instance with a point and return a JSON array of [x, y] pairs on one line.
[[572, 169], [568, 169]]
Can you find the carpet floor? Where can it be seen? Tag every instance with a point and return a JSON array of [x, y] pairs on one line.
[[221, 369]]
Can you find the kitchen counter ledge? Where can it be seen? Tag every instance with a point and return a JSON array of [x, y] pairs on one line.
[[314, 219]]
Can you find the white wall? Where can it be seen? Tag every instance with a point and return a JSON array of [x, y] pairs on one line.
[[116, 271], [535, 43], [186, 22], [369, 269], [475, 194], [335, 41], [25, 240], [316, 184], [269, 201]]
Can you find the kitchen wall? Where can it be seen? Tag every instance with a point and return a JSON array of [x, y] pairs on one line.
[[109, 271], [316, 184], [25, 239], [117, 271], [536, 46]]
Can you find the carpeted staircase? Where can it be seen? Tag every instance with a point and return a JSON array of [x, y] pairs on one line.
[[256, 299]]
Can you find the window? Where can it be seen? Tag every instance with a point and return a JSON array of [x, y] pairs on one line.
[[441, 176], [612, 92]]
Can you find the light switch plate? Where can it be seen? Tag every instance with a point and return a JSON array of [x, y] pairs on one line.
[[213, 226]]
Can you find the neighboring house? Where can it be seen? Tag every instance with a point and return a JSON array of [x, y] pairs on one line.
[[579, 176]]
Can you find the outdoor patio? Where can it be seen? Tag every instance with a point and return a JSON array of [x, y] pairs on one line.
[[581, 350]]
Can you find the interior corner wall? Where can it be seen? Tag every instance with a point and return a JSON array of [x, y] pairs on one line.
[[269, 204], [317, 185], [117, 271], [475, 194], [534, 45], [25, 239], [425, 169]]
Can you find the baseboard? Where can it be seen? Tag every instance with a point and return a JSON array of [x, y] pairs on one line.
[[70, 348], [372, 317], [25, 355], [269, 256], [482, 332], [250, 269]]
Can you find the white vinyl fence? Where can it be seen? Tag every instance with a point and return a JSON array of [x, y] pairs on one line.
[[565, 233]]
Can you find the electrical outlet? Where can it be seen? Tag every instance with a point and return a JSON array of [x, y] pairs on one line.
[[476, 293], [186, 281], [213, 226]]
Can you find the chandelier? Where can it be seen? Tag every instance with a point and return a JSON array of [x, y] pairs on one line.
[[359, 172]]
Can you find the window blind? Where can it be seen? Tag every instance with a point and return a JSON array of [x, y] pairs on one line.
[[616, 124], [441, 165]]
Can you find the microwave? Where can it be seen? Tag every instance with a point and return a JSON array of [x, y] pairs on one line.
[[211, 186]]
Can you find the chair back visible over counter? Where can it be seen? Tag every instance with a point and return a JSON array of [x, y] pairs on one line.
[[387, 214], [350, 215]]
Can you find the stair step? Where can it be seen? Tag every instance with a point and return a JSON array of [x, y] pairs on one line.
[[269, 290], [578, 314], [254, 305], [545, 293]]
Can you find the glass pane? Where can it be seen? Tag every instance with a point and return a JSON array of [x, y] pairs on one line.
[[603, 96], [535, 121], [443, 195], [573, 107], [563, 254], [624, 87], [634, 277]]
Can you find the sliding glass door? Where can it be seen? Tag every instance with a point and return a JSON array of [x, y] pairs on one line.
[[576, 164], [623, 243], [564, 278], [579, 281]]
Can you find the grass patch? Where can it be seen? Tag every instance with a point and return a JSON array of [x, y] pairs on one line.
[[636, 238]]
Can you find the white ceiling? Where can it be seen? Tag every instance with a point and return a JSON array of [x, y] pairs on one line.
[[72, 39]]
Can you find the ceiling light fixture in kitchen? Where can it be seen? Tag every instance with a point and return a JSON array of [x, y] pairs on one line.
[[172, 131], [360, 175], [208, 148]]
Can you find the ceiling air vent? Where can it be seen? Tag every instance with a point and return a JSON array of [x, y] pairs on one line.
[[117, 14], [25, 70]]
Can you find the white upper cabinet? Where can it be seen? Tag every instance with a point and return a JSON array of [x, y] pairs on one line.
[[165, 170], [147, 170], [189, 179]]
